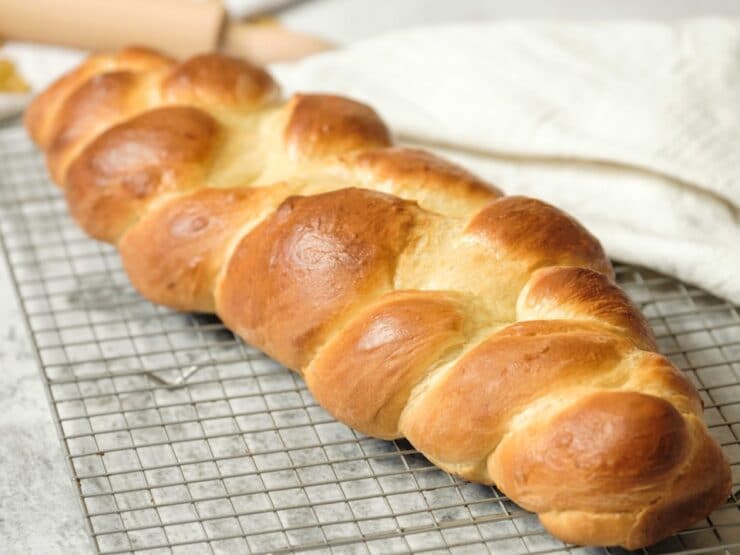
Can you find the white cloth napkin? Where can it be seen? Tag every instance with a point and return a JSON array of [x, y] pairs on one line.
[[633, 127]]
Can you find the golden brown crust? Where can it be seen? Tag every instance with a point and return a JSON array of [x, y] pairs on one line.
[[560, 292], [221, 80], [325, 125], [531, 230], [487, 330], [40, 117], [366, 374], [705, 483], [135, 58], [436, 183], [174, 254], [607, 452], [501, 376], [128, 165], [41, 114], [309, 263], [694, 490], [600, 528], [654, 374], [96, 105]]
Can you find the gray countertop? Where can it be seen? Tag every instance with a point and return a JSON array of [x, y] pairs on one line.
[[39, 512]]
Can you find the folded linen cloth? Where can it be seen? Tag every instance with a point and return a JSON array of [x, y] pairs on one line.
[[633, 127]]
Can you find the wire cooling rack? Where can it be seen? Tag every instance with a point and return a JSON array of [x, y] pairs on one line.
[[180, 438]]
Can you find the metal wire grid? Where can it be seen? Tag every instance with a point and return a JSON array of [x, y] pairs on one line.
[[182, 439]]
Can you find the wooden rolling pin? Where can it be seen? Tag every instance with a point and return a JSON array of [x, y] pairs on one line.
[[178, 27]]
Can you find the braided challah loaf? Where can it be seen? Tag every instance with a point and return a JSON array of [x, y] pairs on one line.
[[414, 299]]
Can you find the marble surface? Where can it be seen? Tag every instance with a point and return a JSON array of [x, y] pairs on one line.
[[39, 512]]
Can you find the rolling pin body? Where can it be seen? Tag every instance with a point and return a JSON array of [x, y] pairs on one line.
[[179, 28]]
